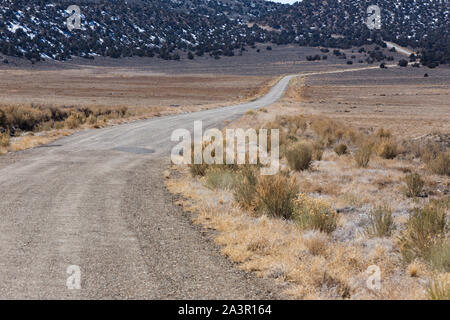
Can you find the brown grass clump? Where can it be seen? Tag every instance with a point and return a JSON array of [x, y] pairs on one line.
[[299, 156], [387, 149], [383, 133], [317, 151], [440, 164], [381, 223], [316, 243], [4, 140], [439, 288], [440, 256], [414, 185], [44, 118], [424, 233], [341, 149], [276, 195], [245, 188], [363, 154], [435, 157], [315, 214]]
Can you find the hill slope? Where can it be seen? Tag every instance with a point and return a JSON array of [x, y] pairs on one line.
[[37, 29]]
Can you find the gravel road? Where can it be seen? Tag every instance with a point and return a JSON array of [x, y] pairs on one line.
[[97, 200]]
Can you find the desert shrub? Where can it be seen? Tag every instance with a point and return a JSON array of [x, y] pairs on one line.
[[383, 133], [425, 229], [315, 214], [414, 185], [4, 140], [198, 169], [327, 130], [58, 125], [217, 178], [75, 120], [245, 188], [440, 256], [440, 164], [381, 223], [439, 288], [91, 120], [317, 151], [387, 149], [250, 113], [276, 195], [363, 154], [341, 149], [299, 156]]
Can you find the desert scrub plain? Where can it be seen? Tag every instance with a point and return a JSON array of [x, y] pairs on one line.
[[55, 103], [350, 194]]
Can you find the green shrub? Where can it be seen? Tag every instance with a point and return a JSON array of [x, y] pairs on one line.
[[440, 256], [315, 214], [218, 178], [341, 149], [381, 223], [299, 156], [276, 195], [425, 230], [414, 185]]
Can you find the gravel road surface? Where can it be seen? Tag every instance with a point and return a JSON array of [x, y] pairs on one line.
[[97, 200]]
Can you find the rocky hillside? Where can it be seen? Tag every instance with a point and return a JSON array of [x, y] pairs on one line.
[[174, 29]]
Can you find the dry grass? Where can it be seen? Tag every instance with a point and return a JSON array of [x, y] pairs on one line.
[[326, 255], [299, 156], [440, 164], [425, 232], [363, 154], [387, 148], [315, 214], [414, 185], [4, 140], [311, 265], [439, 288], [276, 194], [381, 222]]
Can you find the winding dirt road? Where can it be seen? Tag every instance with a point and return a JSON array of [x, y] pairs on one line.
[[97, 200]]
